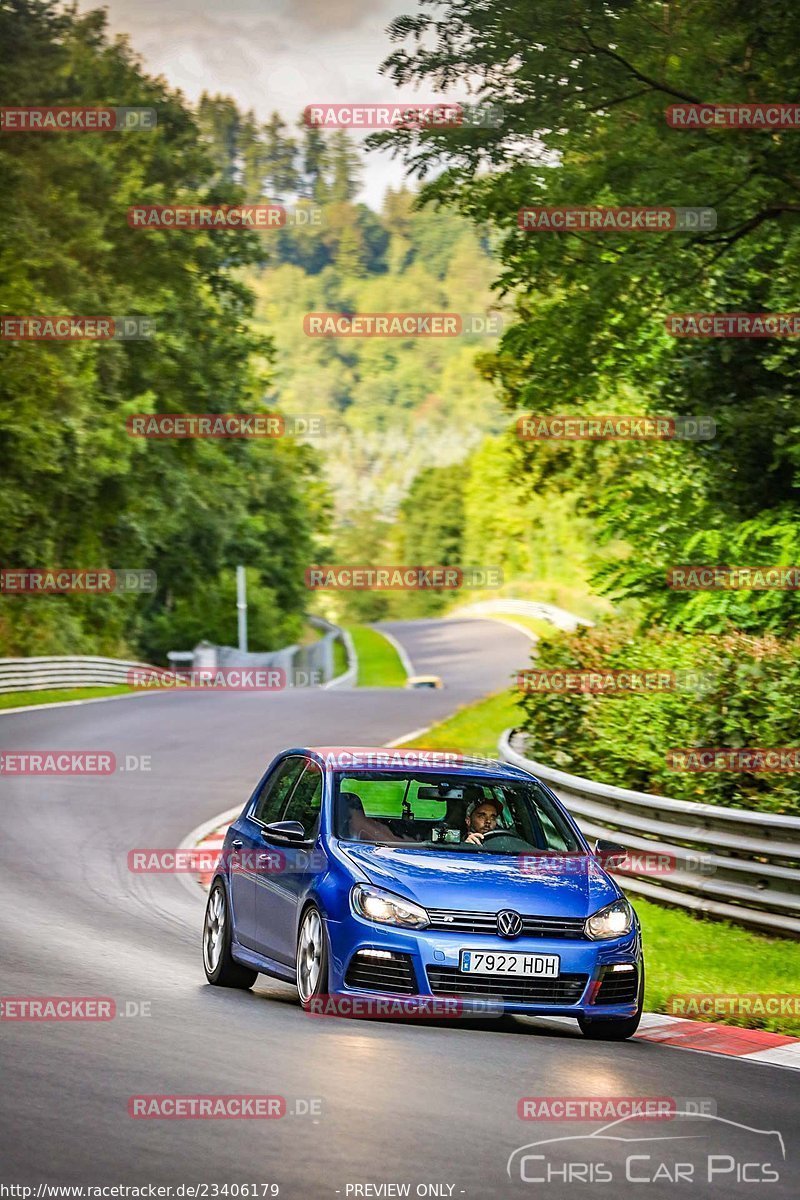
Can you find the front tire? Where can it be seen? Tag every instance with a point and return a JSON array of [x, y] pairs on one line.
[[221, 968], [616, 1029], [312, 957]]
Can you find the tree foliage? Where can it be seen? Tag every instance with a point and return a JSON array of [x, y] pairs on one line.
[[77, 490], [583, 88]]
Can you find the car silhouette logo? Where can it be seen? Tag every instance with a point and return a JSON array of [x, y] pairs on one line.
[[509, 923]]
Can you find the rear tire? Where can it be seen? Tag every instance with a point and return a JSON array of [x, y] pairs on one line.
[[221, 968], [617, 1029]]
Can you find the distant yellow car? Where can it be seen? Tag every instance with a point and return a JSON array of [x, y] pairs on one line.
[[424, 681]]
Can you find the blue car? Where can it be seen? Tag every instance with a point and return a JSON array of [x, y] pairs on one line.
[[366, 873]]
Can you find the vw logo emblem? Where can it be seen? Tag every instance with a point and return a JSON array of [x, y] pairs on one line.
[[509, 923]]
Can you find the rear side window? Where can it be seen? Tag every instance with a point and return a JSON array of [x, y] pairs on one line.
[[276, 789]]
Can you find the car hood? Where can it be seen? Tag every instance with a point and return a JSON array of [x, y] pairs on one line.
[[477, 882]]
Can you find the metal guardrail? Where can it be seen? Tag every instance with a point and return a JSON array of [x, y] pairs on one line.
[[559, 617], [727, 862], [76, 671], [65, 671]]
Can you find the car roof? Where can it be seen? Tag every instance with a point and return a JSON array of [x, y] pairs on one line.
[[403, 758]]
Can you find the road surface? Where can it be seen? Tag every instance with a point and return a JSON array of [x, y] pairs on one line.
[[372, 1103]]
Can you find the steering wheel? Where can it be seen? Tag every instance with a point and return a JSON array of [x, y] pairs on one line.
[[517, 843]]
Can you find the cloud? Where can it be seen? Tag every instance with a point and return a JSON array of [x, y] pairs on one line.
[[279, 56]]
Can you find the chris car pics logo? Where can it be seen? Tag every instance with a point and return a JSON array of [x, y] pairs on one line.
[[700, 1148]]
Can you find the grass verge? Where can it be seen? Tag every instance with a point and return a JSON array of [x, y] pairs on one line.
[[20, 699], [340, 663], [692, 955], [379, 664], [475, 728], [685, 954]]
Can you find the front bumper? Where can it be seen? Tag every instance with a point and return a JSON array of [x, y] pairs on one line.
[[433, 957]]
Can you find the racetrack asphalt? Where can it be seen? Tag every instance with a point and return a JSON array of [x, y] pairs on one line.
[[423, 1103]]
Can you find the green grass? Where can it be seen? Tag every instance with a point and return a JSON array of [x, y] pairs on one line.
[[473, 729], [685, 954], [688, 954], [379, 664], [18, 699], [340, 663]]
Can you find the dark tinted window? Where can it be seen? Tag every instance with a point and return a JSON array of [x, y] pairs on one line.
[[306, 801], [276, 789]]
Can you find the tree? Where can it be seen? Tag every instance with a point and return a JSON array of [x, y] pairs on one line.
[[77, 490], [430, 533], [221, 127], [582, 89], [279, 158]]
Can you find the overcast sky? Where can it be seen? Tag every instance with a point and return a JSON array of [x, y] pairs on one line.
[[271, 54]]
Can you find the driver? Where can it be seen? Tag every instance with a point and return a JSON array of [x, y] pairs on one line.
[[482, 817]]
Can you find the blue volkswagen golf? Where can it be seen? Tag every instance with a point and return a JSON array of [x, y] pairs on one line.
[[409, 873]]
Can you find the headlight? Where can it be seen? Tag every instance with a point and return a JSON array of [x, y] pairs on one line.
[[387, 909], [612, 921]]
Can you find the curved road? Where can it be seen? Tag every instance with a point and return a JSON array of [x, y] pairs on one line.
[[417, 1103]]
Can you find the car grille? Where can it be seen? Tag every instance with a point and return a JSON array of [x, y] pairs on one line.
[[449, 981], [395, 974], [486, 922], [618, 987]]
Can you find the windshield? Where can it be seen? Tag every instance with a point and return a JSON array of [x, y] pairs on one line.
[[447, 812]]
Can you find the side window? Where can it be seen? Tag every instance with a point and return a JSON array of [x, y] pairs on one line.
[[306, 801], [276, 789]]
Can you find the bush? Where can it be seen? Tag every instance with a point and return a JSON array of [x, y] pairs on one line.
[[745, 695]]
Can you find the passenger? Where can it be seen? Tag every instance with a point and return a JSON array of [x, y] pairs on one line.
[[362, 828]]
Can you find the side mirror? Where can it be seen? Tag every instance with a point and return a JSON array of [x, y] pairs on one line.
[[611, 854], [283, 831]]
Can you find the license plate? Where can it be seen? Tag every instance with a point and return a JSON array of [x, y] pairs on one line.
[[488, 962]]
